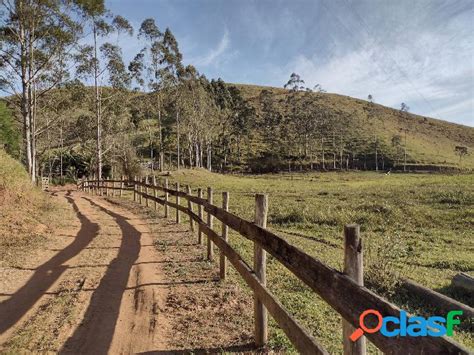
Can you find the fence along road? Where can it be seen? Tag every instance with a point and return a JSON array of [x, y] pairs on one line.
[[344, 292]]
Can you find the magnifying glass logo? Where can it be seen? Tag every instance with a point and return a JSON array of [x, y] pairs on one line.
[[362, 328]]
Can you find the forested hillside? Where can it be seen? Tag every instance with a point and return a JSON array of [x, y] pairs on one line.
[[242, 128], [359, 130]]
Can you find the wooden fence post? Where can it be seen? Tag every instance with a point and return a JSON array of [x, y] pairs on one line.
[[166, 199], [210, 220], [178, 215], [260, 268], [200, 215], [146, 190], [354, 268], [225, 232], [155, 192], [134, 189], [140, 195], [190, 208], [122, 179]]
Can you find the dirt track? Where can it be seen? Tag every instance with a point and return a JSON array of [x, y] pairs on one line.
[[112, 285]]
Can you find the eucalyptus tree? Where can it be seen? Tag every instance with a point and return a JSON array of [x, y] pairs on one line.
[[36, 39], [295, 83], [145, 70], [242, 120], [102, 63], [156, 68], [272, 121], [199, 113]]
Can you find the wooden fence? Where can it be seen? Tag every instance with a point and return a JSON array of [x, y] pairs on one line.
[[343, 291]]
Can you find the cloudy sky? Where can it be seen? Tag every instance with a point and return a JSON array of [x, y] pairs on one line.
[[420, 52]]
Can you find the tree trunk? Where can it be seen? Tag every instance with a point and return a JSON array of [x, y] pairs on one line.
[[201, 154], [405, 153], [32, 101], [97, 109], [61, 154], [323, 161], [196, 152], [209, 156], [177, 140], [376, 154], [190, 151], [162, 153], [25, 94]]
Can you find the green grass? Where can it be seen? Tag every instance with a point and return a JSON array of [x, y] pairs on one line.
[[413, 225], [27, 215]]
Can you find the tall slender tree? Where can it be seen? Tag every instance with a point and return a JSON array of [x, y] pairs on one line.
[[156, 68], [103, 63], [36, 38]]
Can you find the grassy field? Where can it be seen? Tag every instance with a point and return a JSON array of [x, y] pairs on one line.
[[414, 225]]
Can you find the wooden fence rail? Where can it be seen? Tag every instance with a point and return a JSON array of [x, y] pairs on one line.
[[344, 292]]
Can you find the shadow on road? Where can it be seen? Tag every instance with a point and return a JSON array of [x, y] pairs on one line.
[[242, 348], [94, 335], [46, 274]]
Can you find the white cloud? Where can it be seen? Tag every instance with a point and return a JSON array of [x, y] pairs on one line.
[[433, 74], [214, 54]]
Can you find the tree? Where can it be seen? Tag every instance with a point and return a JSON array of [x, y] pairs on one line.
[[295, 83], [104, 65], [397, 145], [36, 38], [156, 68], [9, 135], [404, 109], [318, 88], [461, 151]]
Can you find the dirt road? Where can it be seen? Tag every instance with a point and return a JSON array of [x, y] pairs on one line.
[[110, 284]]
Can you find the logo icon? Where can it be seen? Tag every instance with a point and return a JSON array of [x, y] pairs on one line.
[[389, 326]]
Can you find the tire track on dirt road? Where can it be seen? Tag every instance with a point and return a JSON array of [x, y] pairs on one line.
[[112, 273], [103, 330], [24, 299], [129, 282]]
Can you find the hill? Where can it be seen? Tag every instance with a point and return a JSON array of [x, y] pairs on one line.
[[429, 141], [242, 128], [27, 216]]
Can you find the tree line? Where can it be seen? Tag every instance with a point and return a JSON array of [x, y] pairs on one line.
[[83, 110]]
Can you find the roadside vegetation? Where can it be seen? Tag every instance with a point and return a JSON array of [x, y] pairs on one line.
[[27, 215]]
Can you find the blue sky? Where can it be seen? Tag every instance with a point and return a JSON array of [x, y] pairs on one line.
[[418, 52]]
